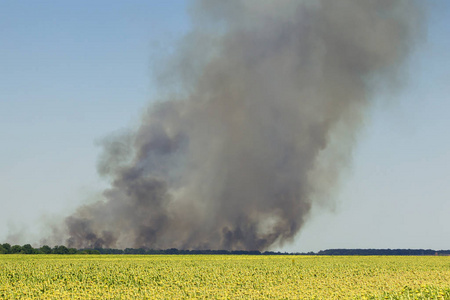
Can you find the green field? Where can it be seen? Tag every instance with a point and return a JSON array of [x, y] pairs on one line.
[[223, 277]]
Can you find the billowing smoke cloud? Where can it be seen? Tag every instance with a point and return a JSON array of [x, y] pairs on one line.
[[269, 95]]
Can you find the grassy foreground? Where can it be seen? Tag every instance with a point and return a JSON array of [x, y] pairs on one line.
[[223, 277]]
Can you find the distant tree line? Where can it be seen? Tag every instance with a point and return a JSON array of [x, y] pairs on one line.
[[143, 251], [401, 252], [28, 249]]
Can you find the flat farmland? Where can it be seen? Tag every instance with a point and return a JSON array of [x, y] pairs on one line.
[[223, 277]]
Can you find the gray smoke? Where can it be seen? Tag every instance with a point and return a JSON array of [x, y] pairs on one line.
[[268, 98]]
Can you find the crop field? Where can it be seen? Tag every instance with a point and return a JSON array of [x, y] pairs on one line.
[[223, 277]]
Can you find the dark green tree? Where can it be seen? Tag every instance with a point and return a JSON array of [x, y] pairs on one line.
[[60, 250], [7, 248], [27, 249], [73, 251], [37, 251], [46, 249], [16, 249]]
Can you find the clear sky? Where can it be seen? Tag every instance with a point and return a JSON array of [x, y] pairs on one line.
[[71, 73]]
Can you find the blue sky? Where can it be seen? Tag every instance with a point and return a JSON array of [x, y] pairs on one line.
[[75, 72], [72, 73]]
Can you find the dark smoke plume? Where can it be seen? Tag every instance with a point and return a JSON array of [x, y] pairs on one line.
[[268, 98]]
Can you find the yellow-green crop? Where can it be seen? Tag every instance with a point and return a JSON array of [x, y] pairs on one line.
[[223, 277]]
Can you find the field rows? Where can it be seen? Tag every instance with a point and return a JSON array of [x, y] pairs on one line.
[[223, 277]]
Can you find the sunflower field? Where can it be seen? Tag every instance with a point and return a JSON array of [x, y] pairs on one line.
[[223, 277]]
